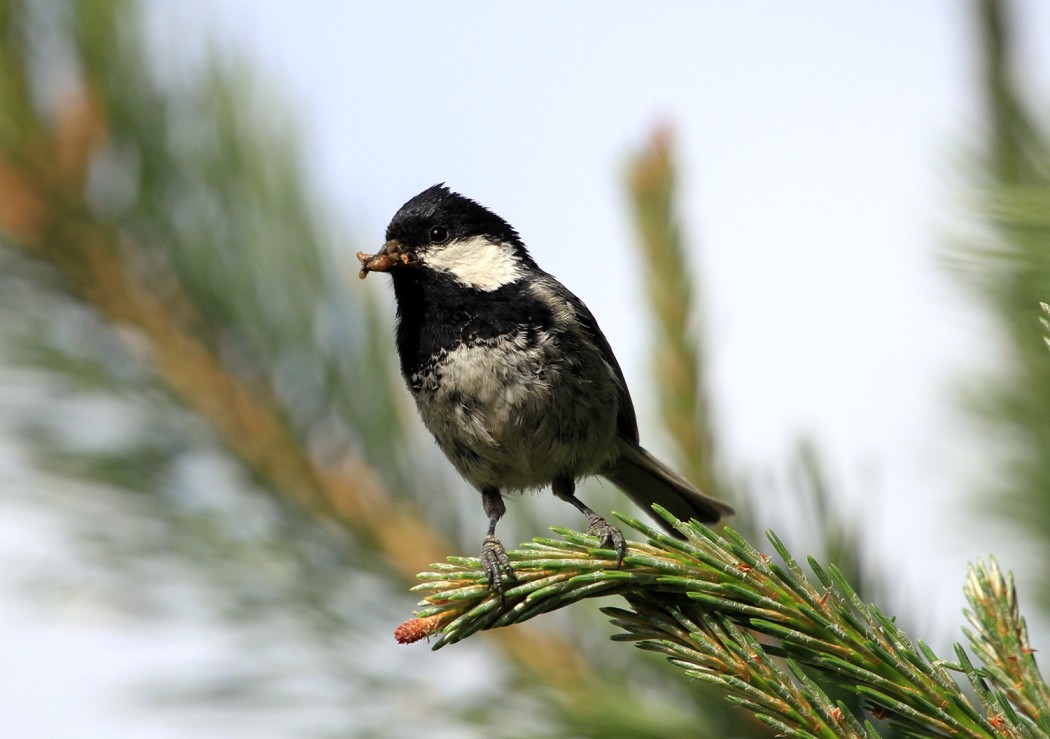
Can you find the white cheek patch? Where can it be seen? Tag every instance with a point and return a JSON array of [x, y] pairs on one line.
[[476, 262]]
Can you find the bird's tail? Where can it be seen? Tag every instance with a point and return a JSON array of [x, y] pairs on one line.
[[647, 480]]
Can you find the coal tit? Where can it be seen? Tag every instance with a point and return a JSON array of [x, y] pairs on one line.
[[511, 373]]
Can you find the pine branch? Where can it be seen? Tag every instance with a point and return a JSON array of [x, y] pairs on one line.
[[705, 602], [1000, 639]]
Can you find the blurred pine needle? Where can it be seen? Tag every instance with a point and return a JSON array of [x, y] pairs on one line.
[[678, 367], [1007, 267]]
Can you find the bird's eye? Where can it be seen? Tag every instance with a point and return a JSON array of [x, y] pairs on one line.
[[438, 235]]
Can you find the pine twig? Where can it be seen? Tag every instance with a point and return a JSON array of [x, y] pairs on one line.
[[722, 610], [1000, 639]]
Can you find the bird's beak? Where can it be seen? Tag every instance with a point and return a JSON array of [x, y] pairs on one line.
[[392, 256]]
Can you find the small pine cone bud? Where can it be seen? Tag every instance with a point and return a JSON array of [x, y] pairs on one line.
[[415, 629]]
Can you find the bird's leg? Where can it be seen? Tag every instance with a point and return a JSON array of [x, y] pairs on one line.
[[609, 537], [494, 558]]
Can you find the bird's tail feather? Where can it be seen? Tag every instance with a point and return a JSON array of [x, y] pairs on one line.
[[647, 480]]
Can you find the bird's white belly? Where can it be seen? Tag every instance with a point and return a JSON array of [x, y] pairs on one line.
[[508, 415]]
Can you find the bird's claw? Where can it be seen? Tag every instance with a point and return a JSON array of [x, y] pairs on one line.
[[609, 537], [496, 564]]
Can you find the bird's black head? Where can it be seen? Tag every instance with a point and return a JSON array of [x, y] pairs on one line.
[[443, 232]]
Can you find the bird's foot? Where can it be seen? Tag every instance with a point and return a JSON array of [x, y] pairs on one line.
[[496, 564], [609, 537]]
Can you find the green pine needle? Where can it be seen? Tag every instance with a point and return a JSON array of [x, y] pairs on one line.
[[727, 614]]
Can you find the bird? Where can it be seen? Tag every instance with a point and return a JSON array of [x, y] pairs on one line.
[[511, 374]]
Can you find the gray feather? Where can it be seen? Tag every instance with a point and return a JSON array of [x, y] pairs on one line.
[[647, 480]]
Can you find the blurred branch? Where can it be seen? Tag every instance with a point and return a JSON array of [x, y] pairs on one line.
[[91, 254], [680, 372], [1014, 139], [680, 377], [679, 366], [1010, 271], [125, 268], [697, 601]]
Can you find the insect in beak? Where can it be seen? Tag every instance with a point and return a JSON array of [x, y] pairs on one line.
[[391, 256]]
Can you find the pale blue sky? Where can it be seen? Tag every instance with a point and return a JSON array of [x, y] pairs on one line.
[[817, 142]]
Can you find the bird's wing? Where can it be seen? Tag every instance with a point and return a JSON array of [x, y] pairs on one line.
[[626, 421]]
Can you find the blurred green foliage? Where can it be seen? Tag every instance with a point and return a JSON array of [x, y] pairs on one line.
[[1007, 269]]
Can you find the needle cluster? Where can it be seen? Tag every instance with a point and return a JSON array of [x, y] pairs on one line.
[[763, 631]]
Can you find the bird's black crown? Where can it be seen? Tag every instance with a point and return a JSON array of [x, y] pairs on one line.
[[461, 217]]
